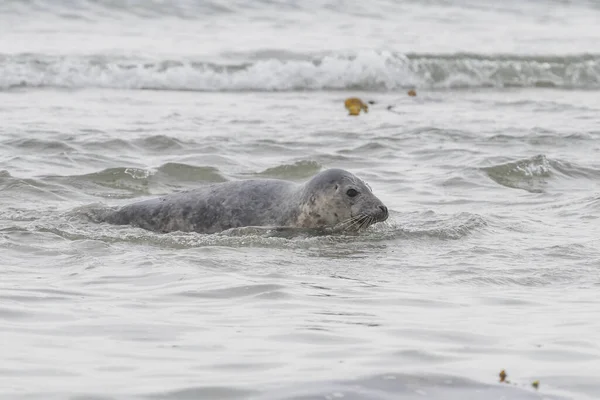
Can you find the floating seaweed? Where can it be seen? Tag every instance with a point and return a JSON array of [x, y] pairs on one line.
[[355, 105]]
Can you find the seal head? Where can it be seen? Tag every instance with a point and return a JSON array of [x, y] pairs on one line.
[[336, 198]]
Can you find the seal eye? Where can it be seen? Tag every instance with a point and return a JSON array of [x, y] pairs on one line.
[[352, 193]]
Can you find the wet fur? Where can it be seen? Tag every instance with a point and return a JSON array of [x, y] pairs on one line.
[[321, 202]]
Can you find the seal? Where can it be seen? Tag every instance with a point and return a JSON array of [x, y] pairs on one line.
[[333, 198]]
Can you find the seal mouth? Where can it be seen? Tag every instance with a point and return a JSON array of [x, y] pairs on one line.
[[363, 221]]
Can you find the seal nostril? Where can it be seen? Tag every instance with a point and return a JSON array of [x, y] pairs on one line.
[[384, 209]]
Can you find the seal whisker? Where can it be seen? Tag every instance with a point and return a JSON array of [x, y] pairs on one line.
[[370, 220], [344, 222], [351, 222], [361, 222], [366, 222]]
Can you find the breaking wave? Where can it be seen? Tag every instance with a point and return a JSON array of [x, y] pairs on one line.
[[367, 70]]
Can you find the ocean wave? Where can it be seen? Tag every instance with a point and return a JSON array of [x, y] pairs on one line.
[[127, 182], [432, 225], [535, 173], [366, 70], [299, 170], [84, 9]]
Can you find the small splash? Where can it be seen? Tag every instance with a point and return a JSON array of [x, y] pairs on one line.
[[137, 173], [299, 170], [18, 215]]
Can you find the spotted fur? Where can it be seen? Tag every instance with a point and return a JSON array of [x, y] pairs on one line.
[[321, 202]]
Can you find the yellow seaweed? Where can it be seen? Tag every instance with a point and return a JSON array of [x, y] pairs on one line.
[[354, 105]]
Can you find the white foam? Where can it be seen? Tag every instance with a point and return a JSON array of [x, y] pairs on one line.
[[367, 70]]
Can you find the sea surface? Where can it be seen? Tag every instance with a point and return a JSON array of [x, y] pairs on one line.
[[490, 259]]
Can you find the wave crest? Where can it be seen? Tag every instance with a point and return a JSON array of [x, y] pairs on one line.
[[535, 173], [367, 70]]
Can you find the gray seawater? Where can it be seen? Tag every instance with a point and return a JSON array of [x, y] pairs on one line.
[[490, 259]]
